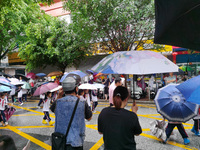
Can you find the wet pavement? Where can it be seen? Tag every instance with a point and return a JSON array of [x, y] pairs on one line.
[[26, 124]]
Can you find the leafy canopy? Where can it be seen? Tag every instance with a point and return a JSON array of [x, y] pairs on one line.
[[118, 24]]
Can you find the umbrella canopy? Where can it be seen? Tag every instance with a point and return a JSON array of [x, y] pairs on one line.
[[5, 75], [55, 73], [4, 89], [135, 62], [45, 88], [99, 85], [191, 89], [90, 71], [26, 86], [41, 74], [172, 105], [180, 25], [180, 72], [6, 82], [77, 74], [87, 86], [31, 75], [56, 89], [186, 68], [21, 75], [15, 81]]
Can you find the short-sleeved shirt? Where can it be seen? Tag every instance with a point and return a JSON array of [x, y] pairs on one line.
[[118, 128]]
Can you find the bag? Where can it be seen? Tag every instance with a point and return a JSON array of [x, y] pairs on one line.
[[58, 141]]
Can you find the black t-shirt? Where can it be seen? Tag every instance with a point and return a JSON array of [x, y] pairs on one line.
[[118, 128]]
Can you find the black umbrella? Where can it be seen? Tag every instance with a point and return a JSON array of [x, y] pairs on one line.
[[5, 75], [178, 23], [21, 75]]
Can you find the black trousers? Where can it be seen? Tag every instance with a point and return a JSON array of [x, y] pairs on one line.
[[180, 127]]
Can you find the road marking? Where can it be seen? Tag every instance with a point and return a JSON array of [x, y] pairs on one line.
[[92, 126], [170, 142], [32, 139], [21, 127], [97, 145]]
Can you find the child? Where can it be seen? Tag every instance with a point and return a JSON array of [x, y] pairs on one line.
[[94, 99], [81, 94], [42, 96], [3, 104], [181, 130], [87, 97], [19, 95], [46, 106]]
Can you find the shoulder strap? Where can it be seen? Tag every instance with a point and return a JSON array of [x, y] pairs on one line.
[[72, 117]]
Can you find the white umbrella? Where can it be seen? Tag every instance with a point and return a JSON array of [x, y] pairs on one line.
[[135, 62], [15, 81], [56, 89], [87, 86], [99, 85]]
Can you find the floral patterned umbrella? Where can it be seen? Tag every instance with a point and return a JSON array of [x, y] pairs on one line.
[[135, 62]]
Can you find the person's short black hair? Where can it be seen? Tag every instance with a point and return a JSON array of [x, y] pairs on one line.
[[7, 143], [117, 80]]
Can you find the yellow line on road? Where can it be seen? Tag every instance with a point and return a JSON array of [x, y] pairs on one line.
[[32, 139], [91, 126], [28, 115], [97, 145], [170, 142], [21, 127]]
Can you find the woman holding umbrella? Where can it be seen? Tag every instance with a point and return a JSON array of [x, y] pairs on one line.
[[118, 125]]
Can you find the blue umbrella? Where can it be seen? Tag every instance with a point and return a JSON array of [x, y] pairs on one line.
[[90, 71], [4, 89], [173, 106], [191, 89], [77, 72], [41, 74]]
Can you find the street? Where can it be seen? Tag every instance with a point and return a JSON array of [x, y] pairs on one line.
[[26, 124]]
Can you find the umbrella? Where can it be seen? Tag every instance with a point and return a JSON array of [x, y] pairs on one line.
[[186, 68], [21, 75], [135, 62], [56, 89], [9, 112], [172, 105], [90, 71], [99, 85], [41, 74], [191, 89], [55, 73], [26, 85], [76, 72], [180, 25], [6, 82], [31, 75], [4, 89], [87, 86], [15, 81], [45, 88], [5, 75]]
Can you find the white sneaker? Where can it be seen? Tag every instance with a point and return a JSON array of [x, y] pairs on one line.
[[21, 104], [6, 123]]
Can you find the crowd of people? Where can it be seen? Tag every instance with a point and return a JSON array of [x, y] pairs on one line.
[[118, 125]]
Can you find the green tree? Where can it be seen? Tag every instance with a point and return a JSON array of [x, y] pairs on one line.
[[118, 24], [51, 42], [14, 16]]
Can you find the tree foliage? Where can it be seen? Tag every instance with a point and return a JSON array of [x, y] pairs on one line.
[[118, 24], [51, 42], [14, 16]]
